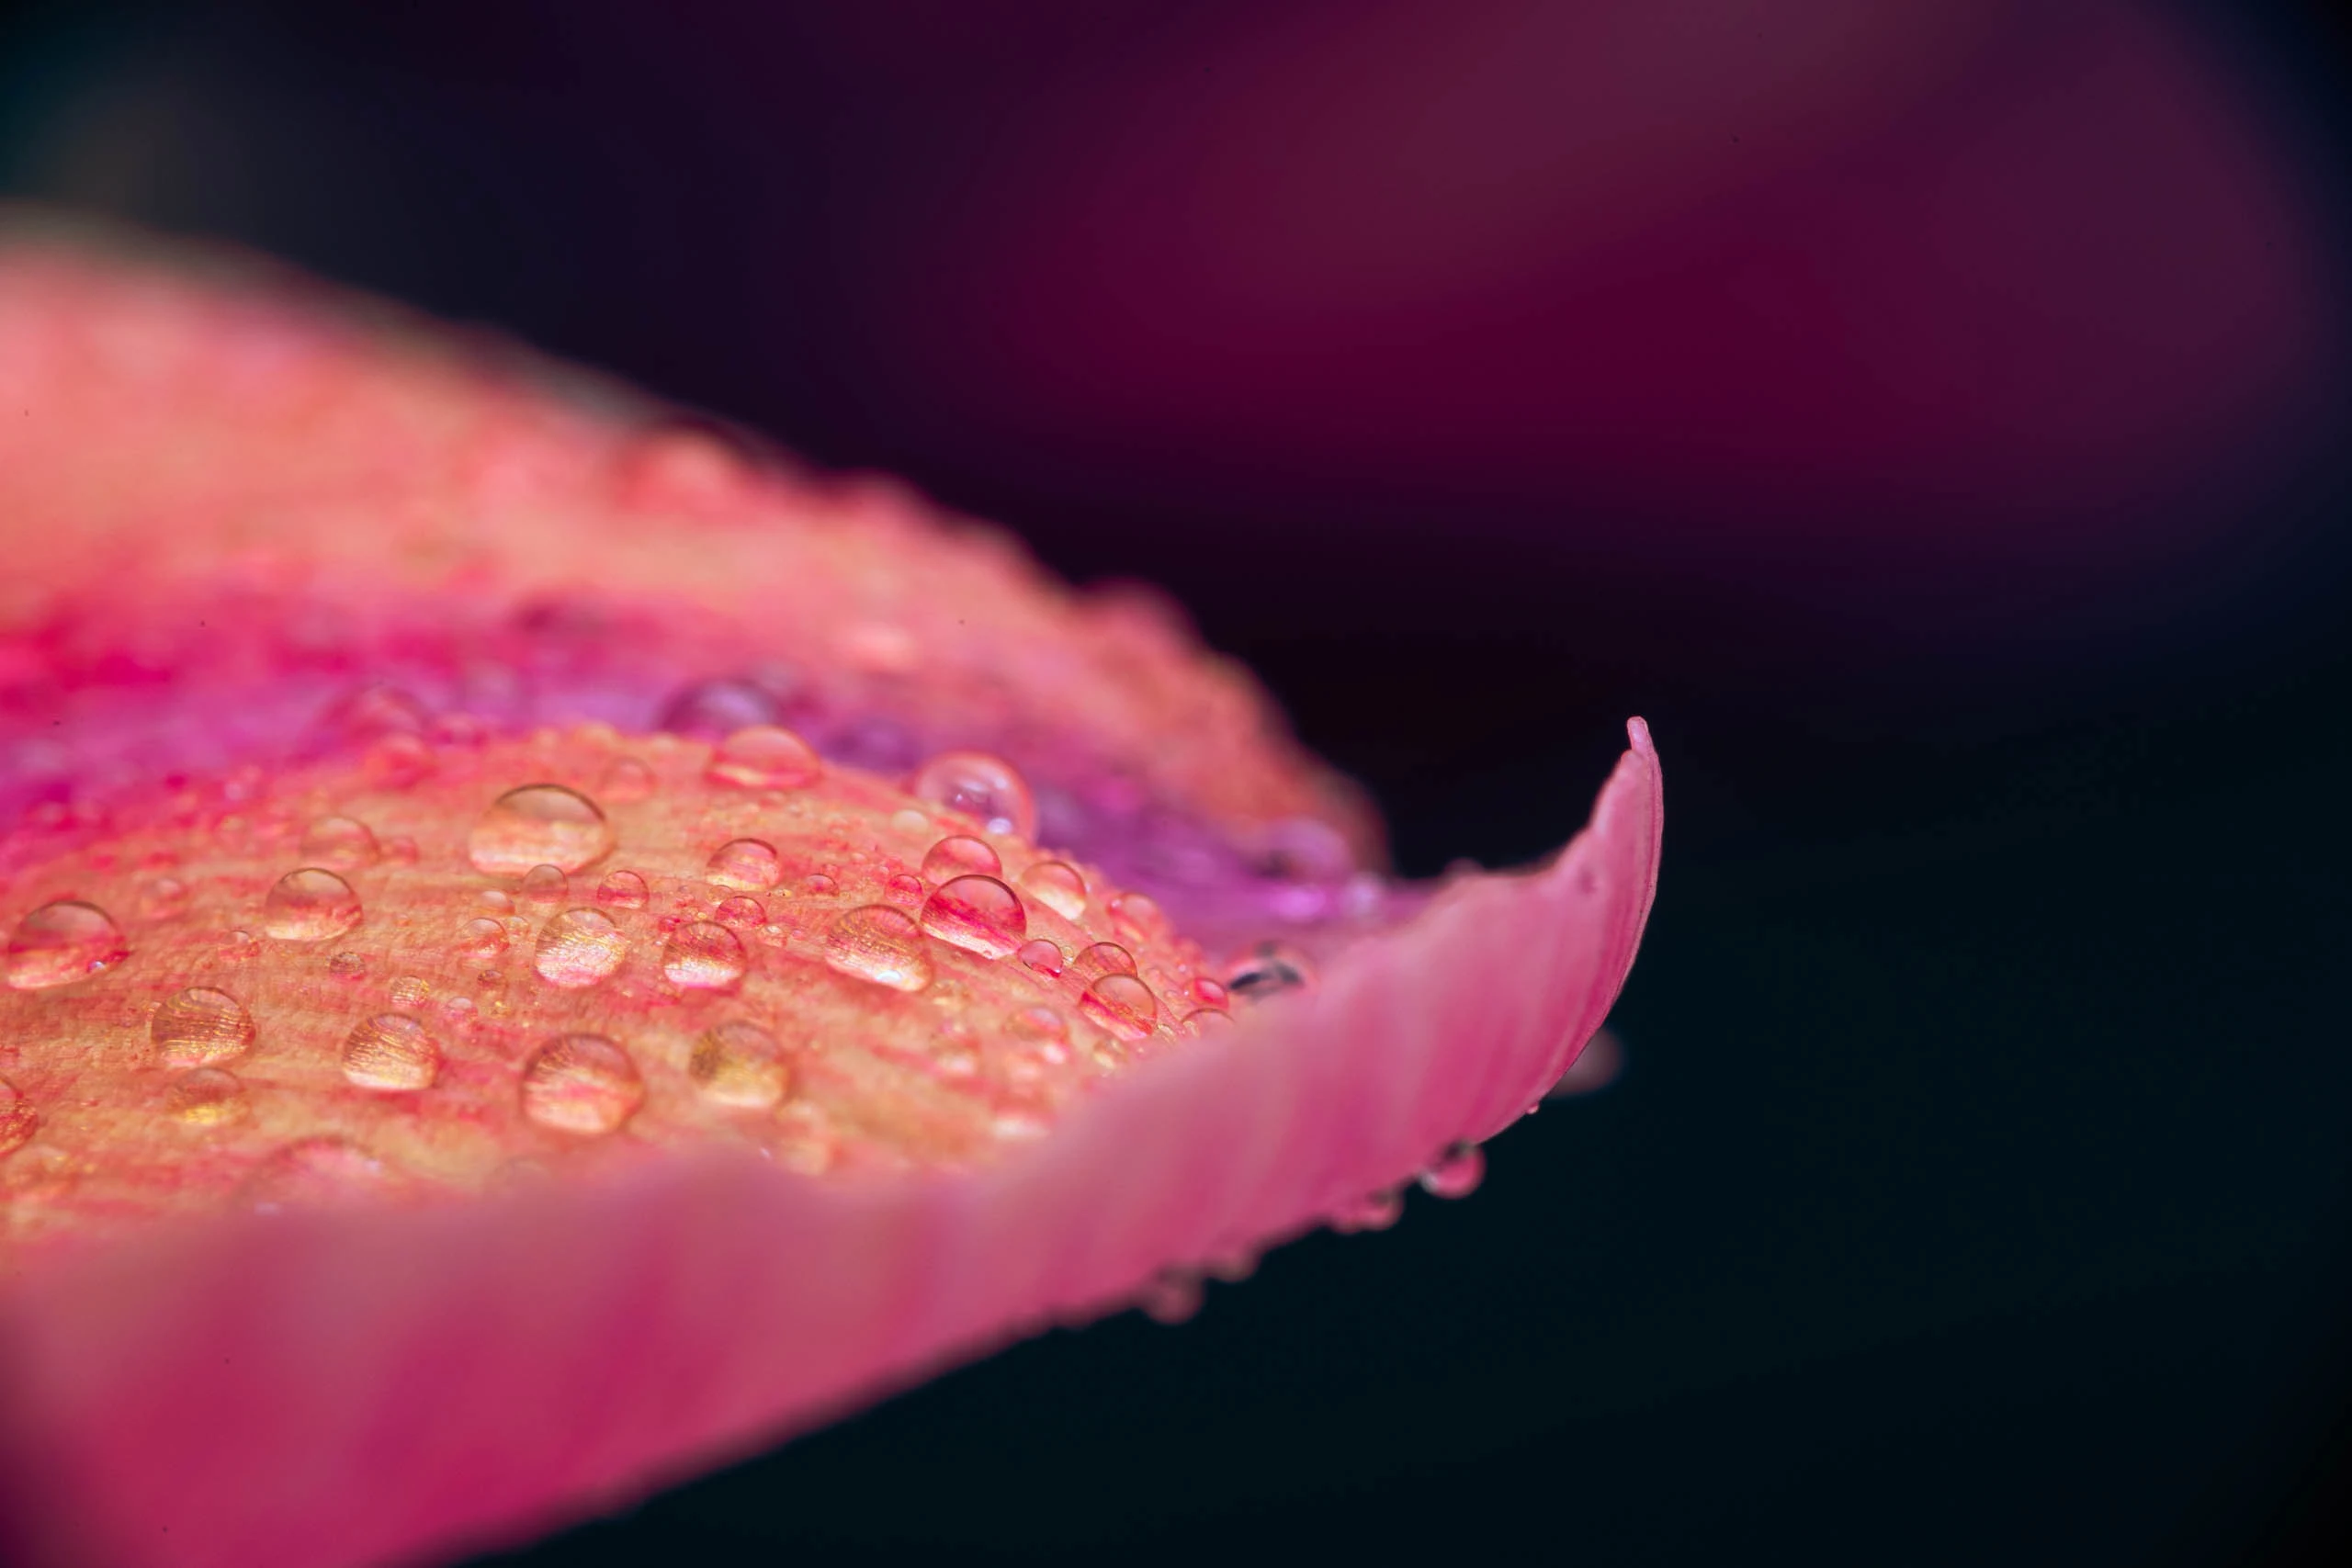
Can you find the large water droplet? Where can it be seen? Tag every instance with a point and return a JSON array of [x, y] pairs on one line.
[[737, 1063], [988, 788], [339, 842], [62, 943], [392, 1051], [622, 890], [749, 864], [540, 824], [978, 913], [578, 948], [310, 905], [200, 1027], [1056, 885], [959, 856], [581, 1083], [206, 1098], [1457, 1173], [764, 756], [1122, 1004], [19, 1120], [882, 944], [704, 955]]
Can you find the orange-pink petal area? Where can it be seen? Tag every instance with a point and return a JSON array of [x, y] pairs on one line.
[[322, 1388]]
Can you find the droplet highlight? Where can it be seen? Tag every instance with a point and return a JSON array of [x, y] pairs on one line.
[[540, 824], [310, 905]]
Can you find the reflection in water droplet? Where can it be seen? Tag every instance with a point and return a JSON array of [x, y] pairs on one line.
[[1037, 1024], [581, 1083], [1138, 917], [239, 945], [1208, 1020], [400, 850], [737, 1063], [409, 992], [1122, 1004], [1103, 958], [904, 890], [978, 913], [162, 899], [1211, 993], [622, 890], [206, 1098], [481, 940], [540, 824], [318, 1173], [988, 788], [710, 710], [310, 905], [19, 1120], [62, 943], [1457, 1174], [1041, 956], [627, 780], [704, 956], [959, 856], [544, 886], [339, 842], [578, 948], [749, 864], [819, 885], [740, 913], [200, 1027], [1267, 970], [391, 1051], [764, 756], [1057, 887], [882, 944]]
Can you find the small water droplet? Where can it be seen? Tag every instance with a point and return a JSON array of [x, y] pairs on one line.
[[397, 761], [1138, 917], [819, 885], [764, 756], [1211, 993], [1057, 886], [704, 956], [1041, 956], [1122, 1004], [391, 1051], [578, 948], [162, 899], [340, 843], [1037, 1024], [545, 884], [410, 992], [62, 943], [1373, 1211], [1267, 970], [459, 1012], [200, 1027], [882, 944], [239, 945], [627, 780], [986, 788], [740, 913], [909, 820], [540, 824], [347, 966], [1206, 1020], [959, 856], [738, 1063], [497, 900], [752, 864], [905, 890], [310, 905], [978, 913], [318, 1173], [1457, 1173], [1103, 958], [19, 1120], [708, 710], [622, 890], [581, 1083], [206, 1098], [400, 850], [481, 940]]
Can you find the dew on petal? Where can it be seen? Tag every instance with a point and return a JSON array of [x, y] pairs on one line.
[[959, 856], [708, 710], [627, 780], [1138, 917], [1211, 993], [347, 966], [817, 885], [1041, 956], [578, 948], [1373, 1211], [704, 955], [340, 843], [545, 884], [397, 761], [982, 786], [740, 913], [622, 890], [1122, 1004], [318, 1173], [738, 1063], [1267, 970], [410, 992], [206, 1098], [162, 899], [19, 1120], [1457, 1173], [1057, 886], [583, 1084], [310, 905], [750, 865], [391, 1051], [905, 890], [882, 944], [480, 940], [400, 850], [200, 1027], [1103, 958], [978, 913], [764, 756], [540, 824], [62, 943], [1037, 1024], [1206, 1020]]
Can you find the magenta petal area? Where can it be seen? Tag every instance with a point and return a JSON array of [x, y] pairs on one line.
[[320, 1388]]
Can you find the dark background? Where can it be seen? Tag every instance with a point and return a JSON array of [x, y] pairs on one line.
[[1929, 416]]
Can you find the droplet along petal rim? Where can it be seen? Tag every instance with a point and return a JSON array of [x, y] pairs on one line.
[[469, 1374]]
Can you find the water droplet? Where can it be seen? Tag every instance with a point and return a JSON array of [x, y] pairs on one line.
[[400, 850], [206, 1098], [710, 710], [627, 780], [1170, 1297], [1267, 970], [1373, 1211], [737, 1063], [310, 905], [497, 900], [318, 1173], [1211, 993], [162, 899], [1122, 1004], [1138, 917], [959, 856], [1035, 1025], [19, 1120], [986, 788], [622, 890], [581, 1083], [1206, 1020], [200, 1027], [239, 945], [62, 943], [481, 940], [740, 913], [1056, 885], [910, 821], [905, 890], [578, 948], [544, 886], [1041, 956], [339, 842], [397, 761], [749, 864], [764, 756], [1103, 958], [704, 956], [1457, 1173], [882, 944], [540, 824], [819, 885], [347, 966], [978, 913], [391, 1051], [411, 991]]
